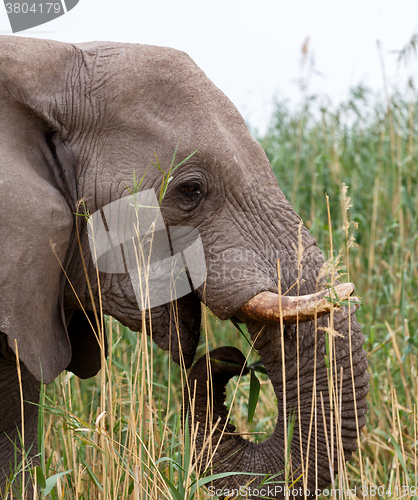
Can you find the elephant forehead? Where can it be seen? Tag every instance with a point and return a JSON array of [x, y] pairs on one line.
[[160, 73], [137, 82]]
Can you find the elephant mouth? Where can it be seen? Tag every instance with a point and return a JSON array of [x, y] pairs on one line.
[[272, 308]]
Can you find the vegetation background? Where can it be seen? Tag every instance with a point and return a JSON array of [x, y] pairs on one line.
[[118, 436]]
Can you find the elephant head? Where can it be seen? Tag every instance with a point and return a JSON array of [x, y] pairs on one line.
[[77, 122]]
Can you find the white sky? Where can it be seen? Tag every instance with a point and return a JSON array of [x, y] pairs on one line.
[[251, 49]]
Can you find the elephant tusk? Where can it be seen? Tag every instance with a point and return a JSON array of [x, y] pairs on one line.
[[266, 306]]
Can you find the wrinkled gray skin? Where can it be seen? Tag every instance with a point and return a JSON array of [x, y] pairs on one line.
[[76, 121]]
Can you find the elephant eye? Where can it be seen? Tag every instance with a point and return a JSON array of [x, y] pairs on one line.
[[189, 195], [192, 188]]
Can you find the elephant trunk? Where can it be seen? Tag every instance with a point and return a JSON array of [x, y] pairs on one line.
[[320, 386]]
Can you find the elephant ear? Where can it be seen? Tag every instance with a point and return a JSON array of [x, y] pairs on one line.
[[36, 222]]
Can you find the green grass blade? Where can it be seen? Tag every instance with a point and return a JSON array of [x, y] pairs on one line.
[[253, 397]]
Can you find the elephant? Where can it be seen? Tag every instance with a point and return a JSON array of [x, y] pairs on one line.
[[79, 123]]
